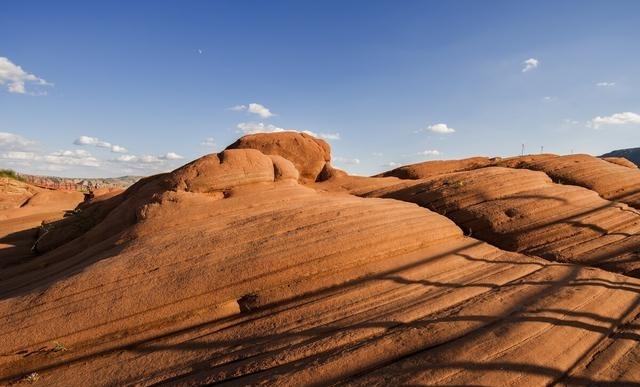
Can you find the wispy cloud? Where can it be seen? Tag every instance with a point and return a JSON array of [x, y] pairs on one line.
[[11, 141], [62, 158], [148, 159], [18, 155], [529, 64], [254, 108], [429, 152], [27, 156], [346, 160], [261, 127], [615, 119], [571, 121], [16, 78], [440, 128], [258, 127], [171, 156], [76, 157], [605, 84], [16, 150], [209, 141], [88, 140], [126, 158], [330, 136]]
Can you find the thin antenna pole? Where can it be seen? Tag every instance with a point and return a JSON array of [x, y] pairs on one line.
[[522, 153]]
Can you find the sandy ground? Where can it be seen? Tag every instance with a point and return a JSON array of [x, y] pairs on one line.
[[23, 208], [229, 271]]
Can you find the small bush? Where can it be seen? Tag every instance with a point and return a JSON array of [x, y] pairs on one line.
[[31, 378], [59, 347]]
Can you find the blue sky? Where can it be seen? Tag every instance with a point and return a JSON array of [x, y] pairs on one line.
[[115, 88]]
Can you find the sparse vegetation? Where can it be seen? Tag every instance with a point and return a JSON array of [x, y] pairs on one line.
[[11, 174], [44, 228], [31, 378], [59, 347]]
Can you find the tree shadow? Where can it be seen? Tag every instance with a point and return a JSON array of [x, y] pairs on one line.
[[19, 247], [249, 356], [539, 236], [261, 351]]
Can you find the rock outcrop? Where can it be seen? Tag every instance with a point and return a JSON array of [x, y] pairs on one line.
[[609, 180], [437, 167], [307, 153], [230, 271], [524, 211]]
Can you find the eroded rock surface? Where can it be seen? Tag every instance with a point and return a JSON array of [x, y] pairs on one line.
[[307, 153], [229, 271]]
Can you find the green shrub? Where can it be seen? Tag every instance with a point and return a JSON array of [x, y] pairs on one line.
[[10, 174]]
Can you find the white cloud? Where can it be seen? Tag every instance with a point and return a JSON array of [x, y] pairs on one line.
[[530, 64], [605, 84], [261, 127], [429, 152], [171, 156], [78, 153], [330, 136], [148, 159], [24, 155], [345, 160], [549, 98], [440, 128], [10, 141], [254, 108], [126, 158], [209, 141], [18, 155], [141, 162], [78, 157], [88, 140], [392, 164], [615, 119], [16, 78], [258, 127], [260, 110]]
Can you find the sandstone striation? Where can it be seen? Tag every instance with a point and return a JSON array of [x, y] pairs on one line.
[[240, 269], [307, 153]]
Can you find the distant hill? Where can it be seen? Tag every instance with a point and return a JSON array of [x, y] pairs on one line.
[[79, 184], [631, 154]]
